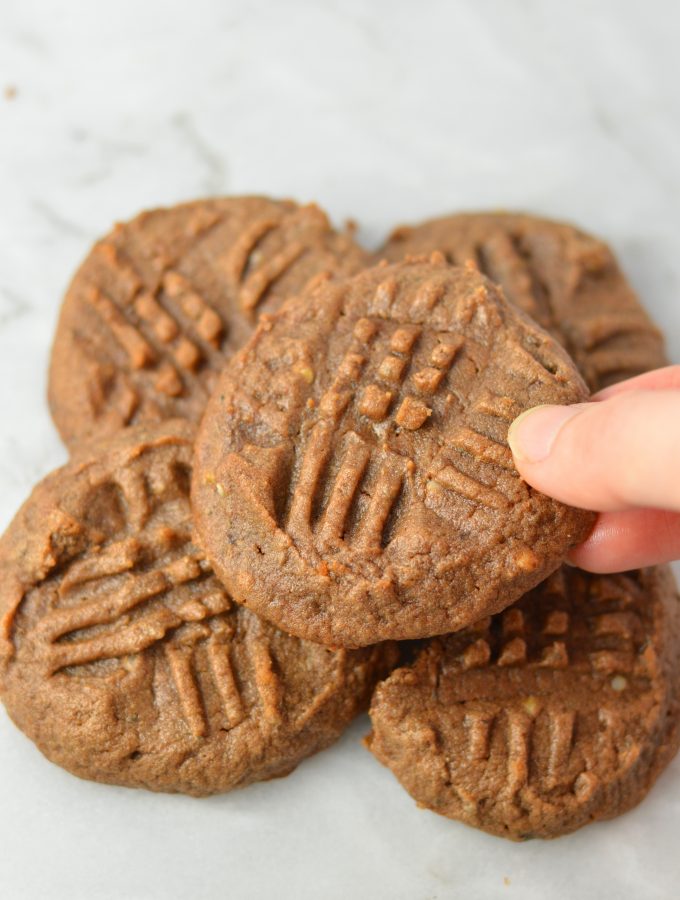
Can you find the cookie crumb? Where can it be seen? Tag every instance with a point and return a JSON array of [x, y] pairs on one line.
[[306, 372], [526, 560], [10, 92], [412, 414], [375, 402], [532, 706]]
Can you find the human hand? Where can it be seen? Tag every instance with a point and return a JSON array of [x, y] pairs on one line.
[[619, 455]]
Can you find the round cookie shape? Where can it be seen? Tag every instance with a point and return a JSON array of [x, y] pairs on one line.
[[560, 711], [566, 280], [352, 478], [122, 656], [162, 301]]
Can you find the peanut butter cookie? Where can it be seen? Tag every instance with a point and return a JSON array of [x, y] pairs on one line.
[[353, 481], [122, 656], [567, 280], [163, 300], [555, 713]]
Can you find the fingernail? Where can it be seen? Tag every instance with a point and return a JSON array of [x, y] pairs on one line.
[[533, 434]]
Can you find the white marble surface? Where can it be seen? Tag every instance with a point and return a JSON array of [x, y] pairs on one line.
[[382, 111]]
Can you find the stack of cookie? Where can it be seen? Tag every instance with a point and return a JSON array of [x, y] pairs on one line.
[[287, 457]]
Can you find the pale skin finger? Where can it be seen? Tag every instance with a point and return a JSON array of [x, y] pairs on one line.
[[629, 540], [619, 453], [660, 379]]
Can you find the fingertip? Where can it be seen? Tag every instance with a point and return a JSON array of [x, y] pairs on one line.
[[532, 435]]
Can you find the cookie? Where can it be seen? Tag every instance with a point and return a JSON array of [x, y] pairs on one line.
[[557, 712], [122, 656], [164, 299], [352, 479], [568, 281]]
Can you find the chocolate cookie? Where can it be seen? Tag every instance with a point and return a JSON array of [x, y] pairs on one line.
[[353, 481], [163, 300], [121, 654], [568, 281], [557, 712]]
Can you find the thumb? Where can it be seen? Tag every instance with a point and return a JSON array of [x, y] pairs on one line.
[[612, 454]]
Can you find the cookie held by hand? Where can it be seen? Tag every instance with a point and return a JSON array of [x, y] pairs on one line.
[[352, 479]]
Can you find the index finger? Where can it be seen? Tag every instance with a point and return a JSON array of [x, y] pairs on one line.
[[667, 378]]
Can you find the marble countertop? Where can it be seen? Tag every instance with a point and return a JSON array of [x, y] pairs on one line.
[[382, 112]]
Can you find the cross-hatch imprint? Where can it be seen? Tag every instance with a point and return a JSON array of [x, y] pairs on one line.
[[116, 605], [174, 332], [611, 650], [508, 260], [388, 380]]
